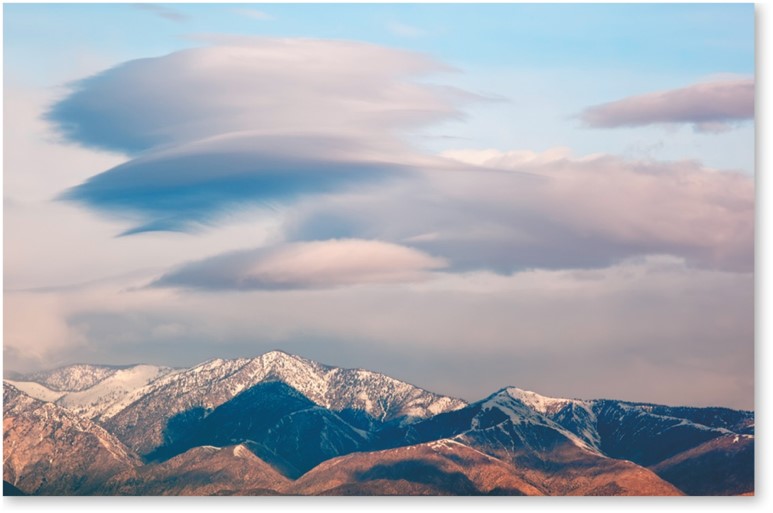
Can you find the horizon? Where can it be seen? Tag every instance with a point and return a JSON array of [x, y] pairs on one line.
[[567, 204]]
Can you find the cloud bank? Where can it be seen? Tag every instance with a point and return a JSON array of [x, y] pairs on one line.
[[708, 106]]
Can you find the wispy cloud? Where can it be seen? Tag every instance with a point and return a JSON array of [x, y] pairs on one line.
[[708, 106], [163, 11], [404, 30], [254, 14]]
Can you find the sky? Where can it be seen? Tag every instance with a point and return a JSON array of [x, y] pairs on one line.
[[466, 197]]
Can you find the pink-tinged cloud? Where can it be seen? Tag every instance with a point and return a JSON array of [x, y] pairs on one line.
[[307, 265], [708, 106]]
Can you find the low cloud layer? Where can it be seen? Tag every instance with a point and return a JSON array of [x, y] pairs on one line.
[[308, 265], [708, 107], [650, 329]]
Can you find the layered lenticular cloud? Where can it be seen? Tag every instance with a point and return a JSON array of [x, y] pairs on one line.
[[709, 106], [248, 122], [308, 265]]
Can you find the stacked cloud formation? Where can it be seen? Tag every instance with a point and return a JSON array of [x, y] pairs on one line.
[[317, 132]]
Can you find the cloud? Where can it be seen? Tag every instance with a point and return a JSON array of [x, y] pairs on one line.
[[163, 11], [254, 14], [194, 184], [512, 211], [270, 86], [708, 106], [313, 132], [248, 122], [307, 265], [405, 30]]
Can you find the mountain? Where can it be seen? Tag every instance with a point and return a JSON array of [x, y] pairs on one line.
[[281, 424], [48, 450], [73, 378], [442, 467], [205, 470], [363, 398], [90, 390], [543, 452], [641, 432], [721, 466]]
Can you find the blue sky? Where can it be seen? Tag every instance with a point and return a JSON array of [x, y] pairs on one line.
[[497, 194]]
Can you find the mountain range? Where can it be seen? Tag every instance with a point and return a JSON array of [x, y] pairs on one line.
[[279, 424]]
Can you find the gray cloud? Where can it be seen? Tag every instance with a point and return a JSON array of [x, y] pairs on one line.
[[708, 106], [308, 265]]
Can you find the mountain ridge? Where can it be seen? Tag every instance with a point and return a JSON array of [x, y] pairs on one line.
[[298, 417]]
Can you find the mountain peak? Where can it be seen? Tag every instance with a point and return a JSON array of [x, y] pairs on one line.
[[540, 403]]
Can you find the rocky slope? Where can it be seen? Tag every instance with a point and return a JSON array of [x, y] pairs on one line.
[[49, 450], [205, 470], [442, 467]]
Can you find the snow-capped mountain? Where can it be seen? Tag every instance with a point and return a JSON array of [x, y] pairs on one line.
[[360, 397], [73, 378], [90, 390], [644, 433], [280, 423]]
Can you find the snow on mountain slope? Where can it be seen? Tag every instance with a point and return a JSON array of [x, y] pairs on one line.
[[575, 415], [109, 393], [36, 390], [509, 401], [644, 433], [73, 378], [204, 387]]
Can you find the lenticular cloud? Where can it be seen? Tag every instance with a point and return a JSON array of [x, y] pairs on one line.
[[709, 107], [247, 121], [308, 265]]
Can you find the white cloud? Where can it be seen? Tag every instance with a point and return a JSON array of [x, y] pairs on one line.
[[254, 14], [307, 265], [404, 30]]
